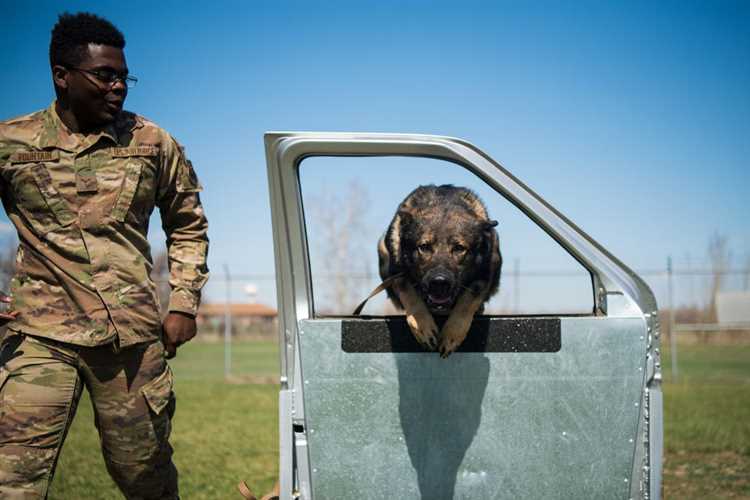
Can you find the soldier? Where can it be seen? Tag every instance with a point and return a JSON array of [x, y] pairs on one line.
[[79, 181]]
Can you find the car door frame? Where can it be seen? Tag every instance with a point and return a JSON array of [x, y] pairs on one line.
[[618, 292]]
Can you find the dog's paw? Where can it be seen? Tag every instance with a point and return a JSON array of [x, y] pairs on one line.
[[424, 329], [453, 335]]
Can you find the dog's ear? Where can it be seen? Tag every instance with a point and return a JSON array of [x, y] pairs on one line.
[[401, 221], [489, 224], [488, 258], [489, 235], [405, 218]]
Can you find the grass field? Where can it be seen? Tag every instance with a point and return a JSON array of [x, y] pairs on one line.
[[222, 432], [707, 423], [227, 432]]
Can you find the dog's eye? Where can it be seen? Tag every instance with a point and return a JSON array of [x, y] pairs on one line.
[[425, 248], [458, 248]]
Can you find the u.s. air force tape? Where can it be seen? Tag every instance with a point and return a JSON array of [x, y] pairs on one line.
[[135, 151]]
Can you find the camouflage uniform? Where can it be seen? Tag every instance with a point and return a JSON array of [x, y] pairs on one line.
[[87, 307]]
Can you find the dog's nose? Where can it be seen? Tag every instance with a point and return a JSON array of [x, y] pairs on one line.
[[439, 286]]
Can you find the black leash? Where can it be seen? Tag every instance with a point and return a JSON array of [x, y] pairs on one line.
[[385, 284]]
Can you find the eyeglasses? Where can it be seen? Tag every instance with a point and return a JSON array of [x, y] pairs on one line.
[[108, 76]]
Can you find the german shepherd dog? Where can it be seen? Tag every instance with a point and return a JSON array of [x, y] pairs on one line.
[[445, 252]]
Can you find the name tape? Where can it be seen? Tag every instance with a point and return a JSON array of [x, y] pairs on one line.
[[29, 156]]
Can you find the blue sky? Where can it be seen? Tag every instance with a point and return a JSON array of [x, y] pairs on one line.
[[632, 118]]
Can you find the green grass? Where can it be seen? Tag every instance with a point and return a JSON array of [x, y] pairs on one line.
[[227, 432], [201, 361], [712, 364], [706, 424], [222, 432]]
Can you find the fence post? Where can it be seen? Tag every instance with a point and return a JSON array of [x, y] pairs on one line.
[[228, 325], [517, 286], [672, 329]]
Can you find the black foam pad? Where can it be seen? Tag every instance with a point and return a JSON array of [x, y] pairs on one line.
[[487, 334]]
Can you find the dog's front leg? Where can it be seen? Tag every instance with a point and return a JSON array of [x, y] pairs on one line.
[[458, 323], [418, 317]]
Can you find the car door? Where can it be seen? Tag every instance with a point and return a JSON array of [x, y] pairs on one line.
[[547, 404]]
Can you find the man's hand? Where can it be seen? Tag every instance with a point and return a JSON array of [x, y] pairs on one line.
[[6, 316], [177, 329]]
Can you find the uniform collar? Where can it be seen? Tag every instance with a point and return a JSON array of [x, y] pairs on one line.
[[57, 135]]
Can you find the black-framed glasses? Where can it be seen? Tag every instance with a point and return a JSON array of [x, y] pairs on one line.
[[108, 76]]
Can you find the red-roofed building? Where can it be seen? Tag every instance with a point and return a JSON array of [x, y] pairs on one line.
[[247, 319]]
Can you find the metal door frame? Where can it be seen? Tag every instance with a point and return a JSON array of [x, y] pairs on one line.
[[618, 291]]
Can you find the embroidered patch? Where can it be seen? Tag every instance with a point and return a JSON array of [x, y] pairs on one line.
[[34, 156], [86, 181], [135, 151], [187, 181]]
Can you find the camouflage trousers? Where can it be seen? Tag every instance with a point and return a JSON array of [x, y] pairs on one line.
[[131, 391]]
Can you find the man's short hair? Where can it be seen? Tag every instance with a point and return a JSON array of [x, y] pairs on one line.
[[74, 32]]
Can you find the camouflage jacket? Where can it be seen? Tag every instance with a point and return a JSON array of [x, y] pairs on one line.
[[81, 205]]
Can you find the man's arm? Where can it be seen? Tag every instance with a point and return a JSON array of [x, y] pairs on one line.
[[186, 228]]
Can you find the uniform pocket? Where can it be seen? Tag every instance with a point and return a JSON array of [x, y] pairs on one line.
[[38, 199], [158, 392], [52, 196], [127, 190]]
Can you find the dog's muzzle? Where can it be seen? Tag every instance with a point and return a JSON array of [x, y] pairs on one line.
[[439, 287]]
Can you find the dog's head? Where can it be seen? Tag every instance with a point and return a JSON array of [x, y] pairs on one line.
[[444, 252]]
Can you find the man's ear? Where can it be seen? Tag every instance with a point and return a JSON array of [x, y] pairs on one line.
[[60, 76]]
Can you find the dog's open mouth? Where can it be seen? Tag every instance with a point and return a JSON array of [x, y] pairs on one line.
[[439, 302], [439, 292]]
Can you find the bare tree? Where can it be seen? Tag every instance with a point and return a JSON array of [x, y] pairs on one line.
[[7, 263], [7, 269], [342, 249], [720, 258]]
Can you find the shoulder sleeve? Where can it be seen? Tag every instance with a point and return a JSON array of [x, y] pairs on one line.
[[186, 228], [7, 148]]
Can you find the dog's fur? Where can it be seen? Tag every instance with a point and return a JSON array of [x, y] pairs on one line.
[[447, 250]]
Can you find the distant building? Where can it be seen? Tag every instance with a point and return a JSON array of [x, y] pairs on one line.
[[248, 319], [733, 308]]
